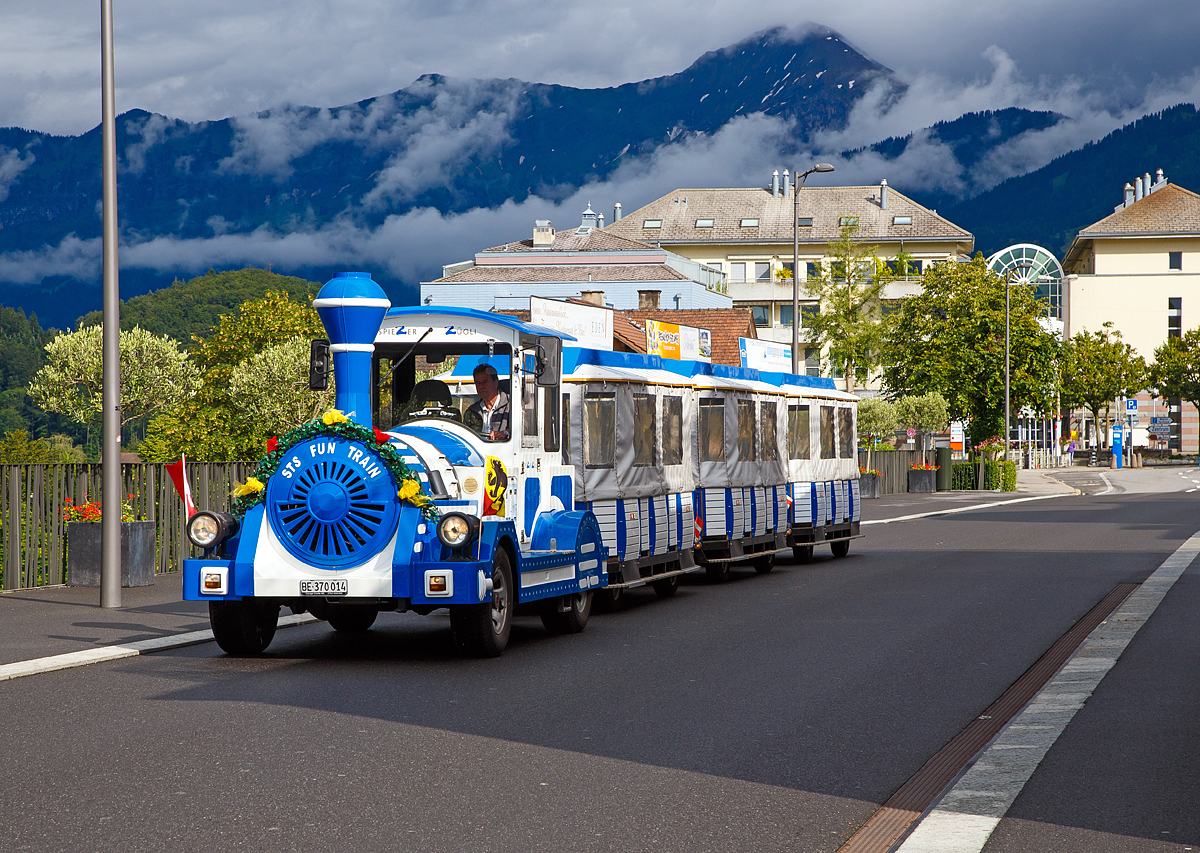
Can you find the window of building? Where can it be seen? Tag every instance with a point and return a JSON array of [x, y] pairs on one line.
[[902, 220], [645, 432], [1175, 260], [769, 416], [807, 312], [890, 306], [828, 439], [762, 314], [672, 450], [745, 422], [1174, 316], [785, 315], [749, 223], [812, 361], [704, 223], [762, 270], [786, 266], [652, 223], [804, 222], [798, 435], [737, 271], [844, 221], [814, 270], [599, 429], [846, 433], [712, 429]]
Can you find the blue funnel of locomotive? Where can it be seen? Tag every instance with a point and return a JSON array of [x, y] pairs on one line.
[[352, 305]]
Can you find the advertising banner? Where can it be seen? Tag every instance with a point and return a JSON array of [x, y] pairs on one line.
[[766, 355], [590, 325], [684, 343]]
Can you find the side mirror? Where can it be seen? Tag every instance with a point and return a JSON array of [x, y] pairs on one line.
[[318, 365], [549, 361]]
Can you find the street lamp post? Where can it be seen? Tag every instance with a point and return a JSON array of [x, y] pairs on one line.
[[819, 167]]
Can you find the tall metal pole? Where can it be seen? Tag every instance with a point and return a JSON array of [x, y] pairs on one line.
[[110, 549], [1007, 416], [796, 278]]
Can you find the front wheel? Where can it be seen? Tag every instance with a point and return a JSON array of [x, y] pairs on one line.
[[666, 587], [763, 564], [482, 630], [352, 618], [569, 621], [840, 548], [802, 553], [243, 628]]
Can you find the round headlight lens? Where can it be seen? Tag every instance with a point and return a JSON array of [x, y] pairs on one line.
[[455, 530], [203, 529]]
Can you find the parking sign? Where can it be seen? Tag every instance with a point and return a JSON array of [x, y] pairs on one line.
[[1131, 405]]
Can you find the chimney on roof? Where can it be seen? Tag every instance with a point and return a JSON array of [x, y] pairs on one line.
[[775, 183], [1160, 179], [1139, 191], [1146, 184], [648, 300], [883, 192], [592, 297], [599, 220], [787, 183], [1128, 194], [617, 212], [590, 220], [543, 234]]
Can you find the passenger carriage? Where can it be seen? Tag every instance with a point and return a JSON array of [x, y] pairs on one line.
[[616, 471]]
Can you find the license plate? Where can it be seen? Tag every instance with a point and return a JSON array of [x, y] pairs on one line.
[[331, 587]]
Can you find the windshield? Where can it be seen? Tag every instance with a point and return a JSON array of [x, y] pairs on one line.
[[431, 383]]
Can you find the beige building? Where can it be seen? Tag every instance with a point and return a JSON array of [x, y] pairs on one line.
[[1139, 269], [748, 234]]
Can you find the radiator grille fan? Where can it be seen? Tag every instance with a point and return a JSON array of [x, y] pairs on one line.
[[337, 509]]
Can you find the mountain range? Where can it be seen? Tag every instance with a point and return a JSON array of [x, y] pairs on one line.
[[448, 147]]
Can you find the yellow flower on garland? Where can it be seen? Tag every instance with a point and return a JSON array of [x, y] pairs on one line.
[[333, 416], [410, 491], [251, 486]]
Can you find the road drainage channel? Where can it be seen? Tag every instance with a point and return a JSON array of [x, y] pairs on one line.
[[894, 818]]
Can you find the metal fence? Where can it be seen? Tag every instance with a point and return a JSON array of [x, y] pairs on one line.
[[33, 531], [894, 466]]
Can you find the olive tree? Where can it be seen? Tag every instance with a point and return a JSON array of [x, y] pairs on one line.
[[876, 421], [926, 413], [274, 383]]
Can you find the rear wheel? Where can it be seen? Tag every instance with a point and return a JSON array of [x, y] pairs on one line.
[[840, 548], [352, 618], [482, 630], [666, 587], [718, 572], [802, 553], [609, 599], [243, 628], [764, 563], [569, 621]]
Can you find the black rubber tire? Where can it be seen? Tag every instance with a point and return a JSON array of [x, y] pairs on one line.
[[243, 628], [352, 618], [764, 563], [717, 572], [609, 600], [802, 553], [482, 630], [666, 587], [571, 621], [840, 548]]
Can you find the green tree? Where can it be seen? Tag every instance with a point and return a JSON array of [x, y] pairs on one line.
[[1095, 369], [274, 384], [155, 375], [950, 339], [849, 327], [212, 426], [16, 448], [926, 413], [1176, 368], [876, 421]]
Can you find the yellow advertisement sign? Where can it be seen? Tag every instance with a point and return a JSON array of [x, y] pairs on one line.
[[667, 340]]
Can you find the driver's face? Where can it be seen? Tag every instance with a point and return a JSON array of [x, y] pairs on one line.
[[485, 384]]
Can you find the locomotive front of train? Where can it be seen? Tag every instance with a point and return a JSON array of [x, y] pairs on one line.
[[343, 525]]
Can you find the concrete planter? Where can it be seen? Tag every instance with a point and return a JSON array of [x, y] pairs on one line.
[[84, 553], [870, 485], [922, 481]]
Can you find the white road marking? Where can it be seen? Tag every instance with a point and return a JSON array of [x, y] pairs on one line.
[[69, 660], [971, 809], [963, 509], [1107, 483]]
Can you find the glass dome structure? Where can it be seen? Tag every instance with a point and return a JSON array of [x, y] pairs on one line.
[[1029, 264]]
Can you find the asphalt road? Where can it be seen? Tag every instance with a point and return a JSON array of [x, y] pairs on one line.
[[769, 713]]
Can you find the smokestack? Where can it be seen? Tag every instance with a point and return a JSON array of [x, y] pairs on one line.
[[351, 306], [617, 212], [543, 234], [1146, 184], [883, 194], [1138, 192], [787, 183], [775, 183], [1128, 194], [599, 220], [593, 297], [648, 300], [1160, 178]]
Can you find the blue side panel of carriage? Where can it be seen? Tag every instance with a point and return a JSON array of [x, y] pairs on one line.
[[456, 450], [561, 488]]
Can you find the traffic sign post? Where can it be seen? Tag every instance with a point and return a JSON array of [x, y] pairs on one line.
[[1131, 406], [1118, 444]]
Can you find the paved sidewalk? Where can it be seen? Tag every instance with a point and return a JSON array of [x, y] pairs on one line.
[[1030, 484]]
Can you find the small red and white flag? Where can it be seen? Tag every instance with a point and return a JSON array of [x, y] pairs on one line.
[[699, 526], [179, 477]]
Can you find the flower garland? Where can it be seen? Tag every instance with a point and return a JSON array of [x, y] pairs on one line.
[[333, 424]]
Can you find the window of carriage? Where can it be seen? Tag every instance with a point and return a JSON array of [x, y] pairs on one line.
[[846, 433], [672, 449], [769, 416], [529, 395], [745, 423], [712, 429], [645, 432], [551, 416], [798, 434], [566, 429], [828, 439], [599, 429]]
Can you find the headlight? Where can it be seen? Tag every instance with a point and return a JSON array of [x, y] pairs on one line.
[[457, 530], [208, 529]]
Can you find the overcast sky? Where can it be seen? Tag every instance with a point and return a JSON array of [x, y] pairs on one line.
[[219, 58]]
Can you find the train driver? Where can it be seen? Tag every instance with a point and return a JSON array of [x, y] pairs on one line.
[[490, 414]]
